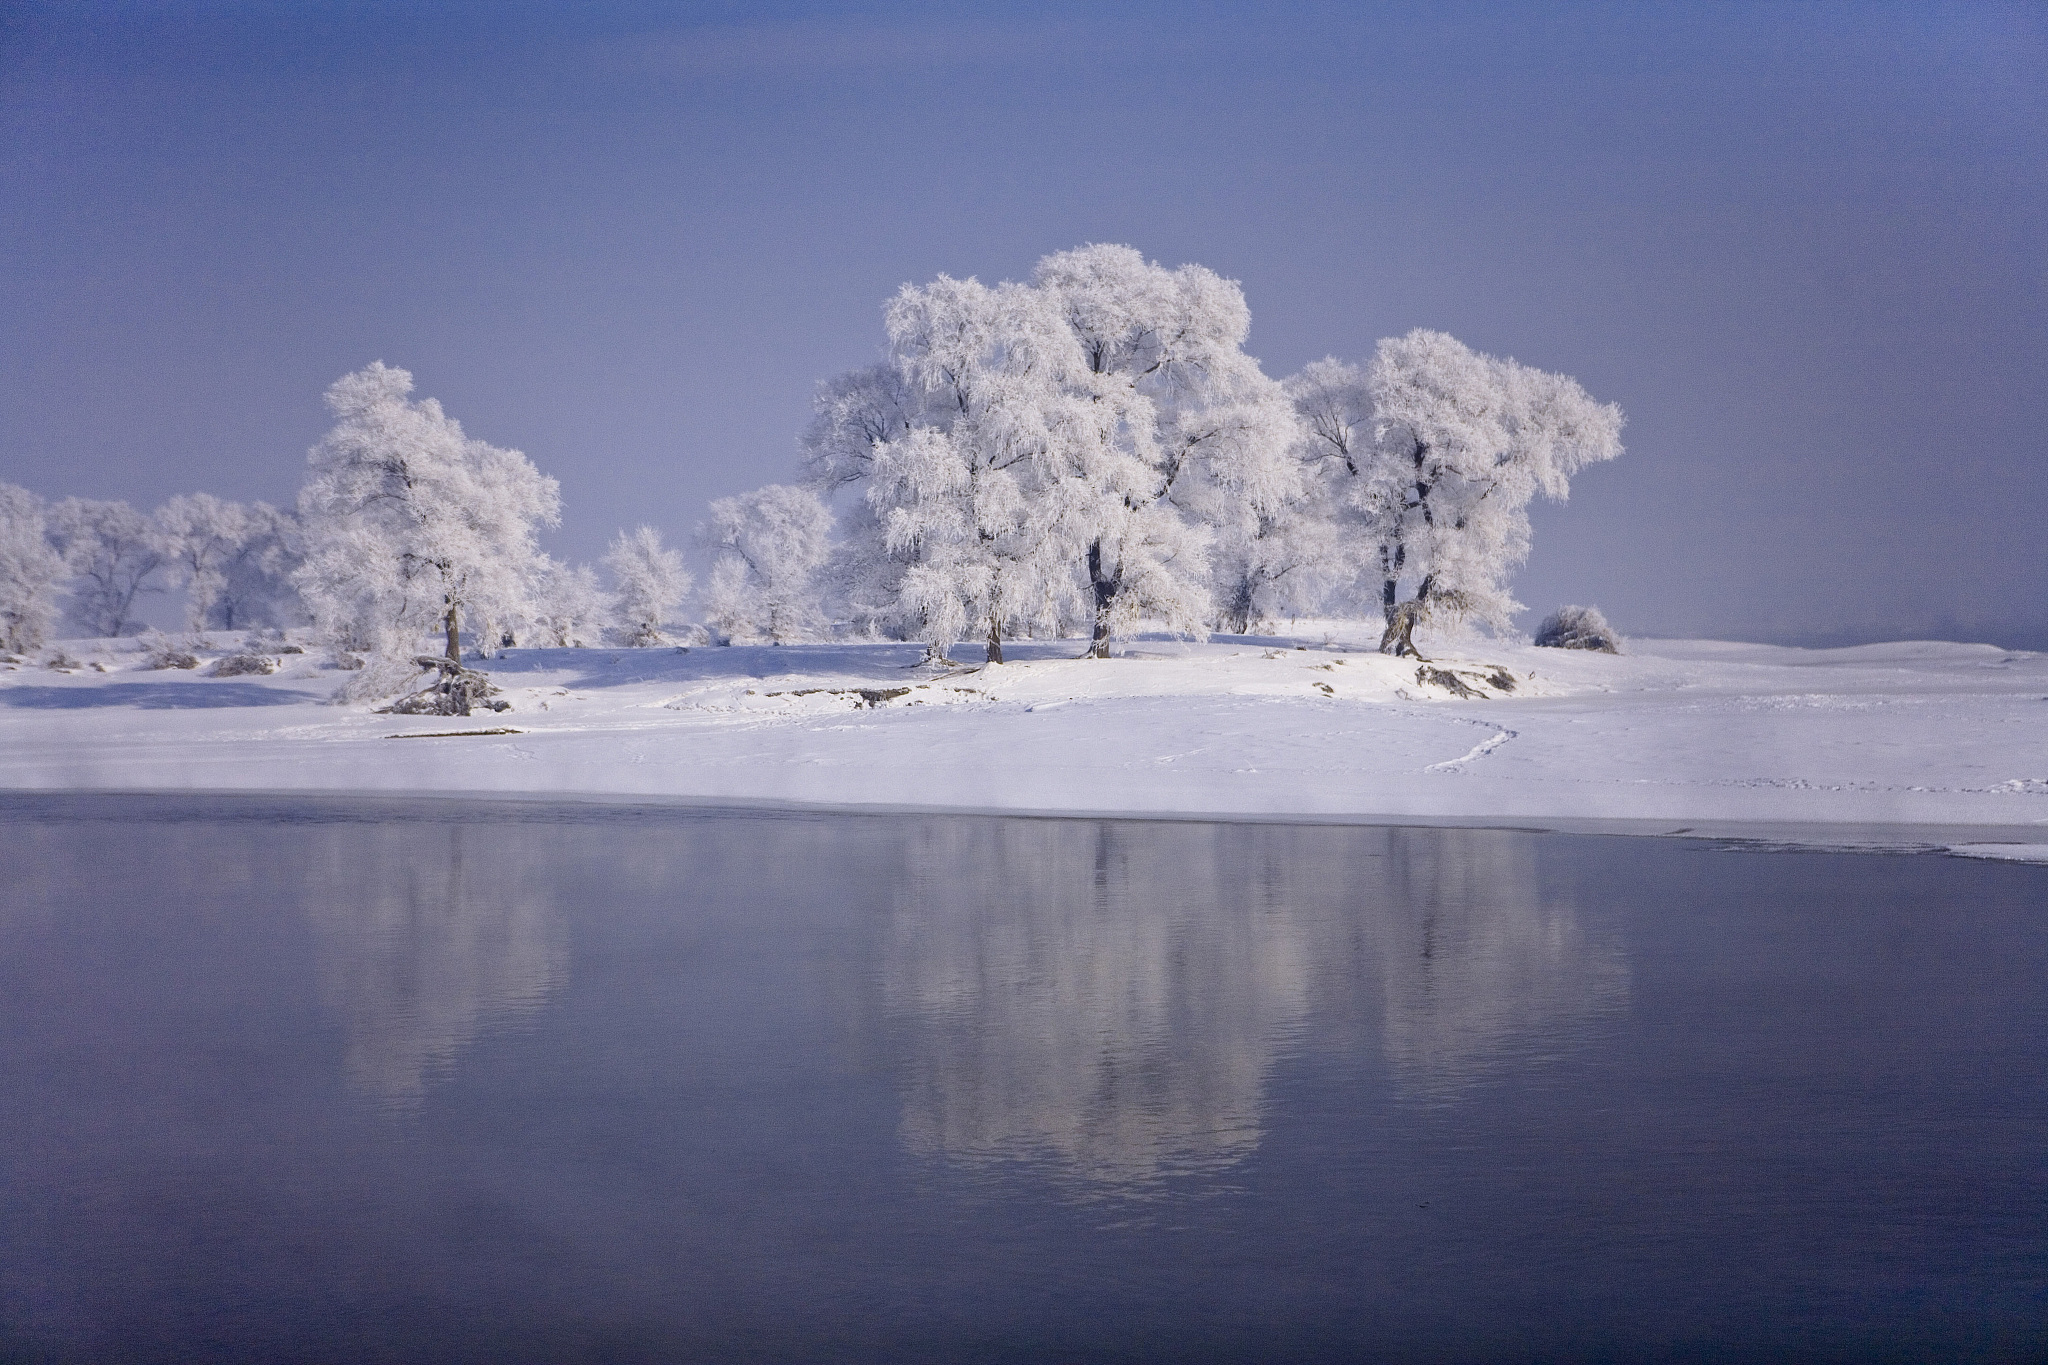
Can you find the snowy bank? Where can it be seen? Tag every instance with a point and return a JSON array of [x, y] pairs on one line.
[[1918, 744]]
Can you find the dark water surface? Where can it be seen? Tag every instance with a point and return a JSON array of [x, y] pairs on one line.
[[356, 1082]]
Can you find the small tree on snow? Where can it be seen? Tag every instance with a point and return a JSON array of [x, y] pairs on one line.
[[31, 572], [651, 583], [115, 551], [767, 546], [409, 523]]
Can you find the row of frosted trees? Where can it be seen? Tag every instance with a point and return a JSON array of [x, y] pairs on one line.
[[1096, 448], [1091, 452], [101, 557], [405, 526]]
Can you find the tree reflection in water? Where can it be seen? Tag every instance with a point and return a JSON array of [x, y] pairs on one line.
[[1082, 999], [1480, 970], [426, 942], [1108, 1001]]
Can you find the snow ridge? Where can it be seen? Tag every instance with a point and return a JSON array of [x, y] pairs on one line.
[[1478, 751]]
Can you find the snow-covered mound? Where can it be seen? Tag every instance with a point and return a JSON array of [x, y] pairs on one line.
[[1925, 743]]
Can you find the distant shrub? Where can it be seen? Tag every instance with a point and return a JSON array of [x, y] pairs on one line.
[[1578, 628]]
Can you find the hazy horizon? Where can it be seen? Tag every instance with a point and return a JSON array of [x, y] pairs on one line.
[[1802, 247]]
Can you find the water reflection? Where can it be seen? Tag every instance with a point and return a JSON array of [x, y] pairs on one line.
[[429, 936], [1110, 1001], [1480, 969], [1078, 997]]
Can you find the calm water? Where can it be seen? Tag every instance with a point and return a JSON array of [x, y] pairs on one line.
[[398, 1082]]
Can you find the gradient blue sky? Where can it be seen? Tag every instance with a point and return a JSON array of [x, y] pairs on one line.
[[1802, 245]]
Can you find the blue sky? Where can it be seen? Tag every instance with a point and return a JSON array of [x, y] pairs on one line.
[[1802, 245]]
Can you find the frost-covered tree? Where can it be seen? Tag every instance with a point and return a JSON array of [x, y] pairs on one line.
[[570, 608], [1286, 550], [651, 584], [201, 536], [854, 415], [31, 572], [967, 486], [1107, 413], [256, 583], [1461, 443], [233, 560], [1335, 413], [1297, 552], [959, 494], [1081, 441], [947, 445], [409, 524], [113, 551], [1183, 432], [1432, 453], [767, 547], [1283, 558]]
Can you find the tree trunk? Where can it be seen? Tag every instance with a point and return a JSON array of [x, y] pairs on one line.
[[1396, 639], [1238, 615], [454, 636], [1392, 558], [1399, 637], [1105, 596], [995, 639]]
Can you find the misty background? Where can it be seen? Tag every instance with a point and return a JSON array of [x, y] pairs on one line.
[[1803, 246]]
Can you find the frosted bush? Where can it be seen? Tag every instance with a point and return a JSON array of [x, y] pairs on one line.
[[1578, 628], [238, 665], [161, 651]]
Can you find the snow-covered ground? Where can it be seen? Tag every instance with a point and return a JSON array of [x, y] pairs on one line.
[[1919, 744]]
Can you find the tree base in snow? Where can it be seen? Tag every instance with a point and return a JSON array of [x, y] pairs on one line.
[[454, 693], [1467, 683], [1399, 637]]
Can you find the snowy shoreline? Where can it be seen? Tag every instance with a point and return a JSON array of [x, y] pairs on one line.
[[1901, 746]]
